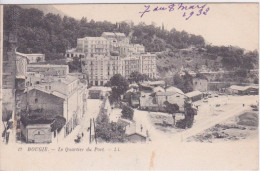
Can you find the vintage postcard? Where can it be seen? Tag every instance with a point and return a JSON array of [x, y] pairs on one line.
[[160, 86]]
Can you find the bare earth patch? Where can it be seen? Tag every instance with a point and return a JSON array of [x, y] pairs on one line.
[[244, 126]]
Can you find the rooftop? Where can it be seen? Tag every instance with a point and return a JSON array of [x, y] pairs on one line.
[[37, 119], [95, 38], [66, 80], [243, 88], [31, 54], [166, 93], [46, 65], [124, 122], [193, 93], [158, 89], [174, 89], [113, 34], [42, 89]]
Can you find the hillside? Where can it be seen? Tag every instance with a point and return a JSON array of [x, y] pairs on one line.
[[52, 34]]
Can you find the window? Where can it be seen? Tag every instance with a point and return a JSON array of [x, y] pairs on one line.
[[36, 100]]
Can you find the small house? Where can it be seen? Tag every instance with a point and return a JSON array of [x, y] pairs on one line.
[[243, 90], [200, 83], [194, 96], [171, 97], [136, 134], [37, 131]]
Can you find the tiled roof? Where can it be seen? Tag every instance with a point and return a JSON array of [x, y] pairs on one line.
[[193, 93]]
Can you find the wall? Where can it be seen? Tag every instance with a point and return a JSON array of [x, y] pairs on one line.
[[21, 66], [147, 101], [45, 101], [200, 85], [52, 70], [33, 58], [39, 133], [8, 99], [177, 99]]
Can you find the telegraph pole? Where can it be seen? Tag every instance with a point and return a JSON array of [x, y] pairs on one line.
[[90, 131]]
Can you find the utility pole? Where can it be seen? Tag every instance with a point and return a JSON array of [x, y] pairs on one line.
[[90, 131], [95, 130]]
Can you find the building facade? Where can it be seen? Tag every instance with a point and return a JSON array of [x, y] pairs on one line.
[[200, 84], [129, 65], [96, 69], [113, 54], [148, 65], [49, 70], [92, 46], [66, 97], [33, 58]]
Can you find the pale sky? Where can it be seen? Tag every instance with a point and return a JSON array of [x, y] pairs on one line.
[[226, 24]]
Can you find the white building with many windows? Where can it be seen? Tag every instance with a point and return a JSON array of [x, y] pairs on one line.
[[92, 46], [113, 54]]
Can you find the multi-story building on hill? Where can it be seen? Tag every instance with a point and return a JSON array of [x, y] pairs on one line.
[[118, 42], [112, 54], [148, 65], [130, 64], [96, 69], [92, 46]]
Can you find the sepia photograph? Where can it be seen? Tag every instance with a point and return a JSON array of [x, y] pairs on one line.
[[87, 77]]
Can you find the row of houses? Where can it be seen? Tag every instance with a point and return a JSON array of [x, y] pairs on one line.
[[154, 98], [42, 91]]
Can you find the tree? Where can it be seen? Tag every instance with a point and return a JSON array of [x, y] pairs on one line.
[[58, 124], [171, 109], [189, 114], [188, 83], [127, 112], [75, 65], [119, 86], [184, 83], [6, 116], [136, 77], [110, 132]]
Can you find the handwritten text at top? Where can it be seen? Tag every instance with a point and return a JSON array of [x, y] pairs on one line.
[[188, 10]]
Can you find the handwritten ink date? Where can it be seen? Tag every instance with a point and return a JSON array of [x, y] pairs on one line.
[[188, 10]]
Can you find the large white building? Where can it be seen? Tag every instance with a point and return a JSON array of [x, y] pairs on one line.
[[66, 97], [92, 46], [113, 54]]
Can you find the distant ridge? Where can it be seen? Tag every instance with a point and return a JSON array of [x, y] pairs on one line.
[[44, 8]]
